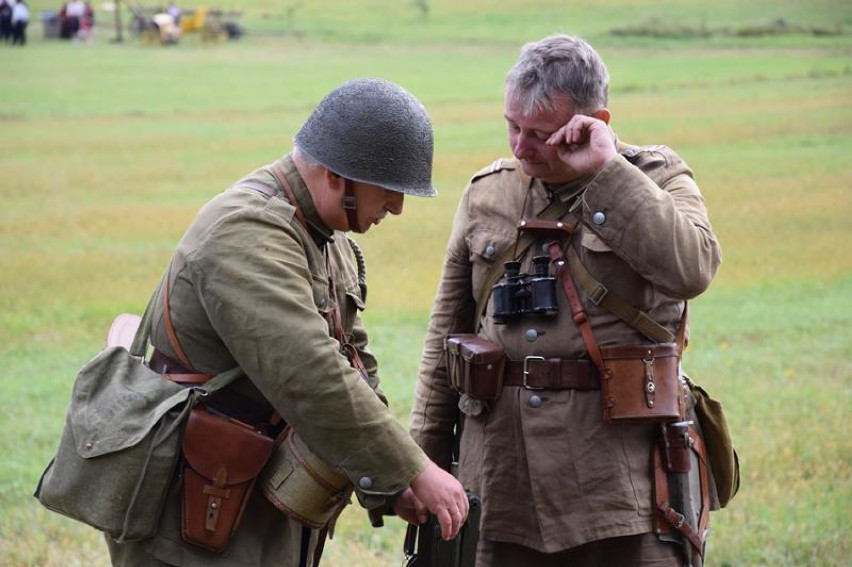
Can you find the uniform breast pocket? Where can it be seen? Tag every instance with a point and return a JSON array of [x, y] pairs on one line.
[[592, 242], [354, 305], [487, 250]]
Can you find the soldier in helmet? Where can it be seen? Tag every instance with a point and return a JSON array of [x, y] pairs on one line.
[[265, 278]]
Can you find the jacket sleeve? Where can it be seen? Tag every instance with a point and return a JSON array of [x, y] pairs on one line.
[[255, 284], [361, 343], [650, 212]]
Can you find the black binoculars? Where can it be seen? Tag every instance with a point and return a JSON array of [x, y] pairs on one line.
[[520, 294]]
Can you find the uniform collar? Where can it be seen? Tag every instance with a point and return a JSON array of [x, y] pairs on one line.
[[567, 192], [318, 229]]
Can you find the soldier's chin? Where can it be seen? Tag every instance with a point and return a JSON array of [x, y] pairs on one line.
[[532, 169], [363, 227]]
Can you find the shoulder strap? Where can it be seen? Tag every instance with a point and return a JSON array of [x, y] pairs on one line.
[[285, 186], [600, 295], [167, 319], [205, 383], [140, 346], [578, 314]]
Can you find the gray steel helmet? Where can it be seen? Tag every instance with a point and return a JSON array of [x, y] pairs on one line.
[[375, 132]]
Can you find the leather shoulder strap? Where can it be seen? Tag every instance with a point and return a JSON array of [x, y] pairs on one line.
[[167, 319], [600, 295], [285, 186]]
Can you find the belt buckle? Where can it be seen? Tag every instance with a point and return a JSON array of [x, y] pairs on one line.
[[527, 360]]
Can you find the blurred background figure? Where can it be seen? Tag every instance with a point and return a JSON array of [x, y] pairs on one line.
[[70, 17], [20, 20], [87, 23], [5, 20], [174, 12]]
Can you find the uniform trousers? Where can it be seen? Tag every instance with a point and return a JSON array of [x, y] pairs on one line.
[[643, 550], [306, 545]]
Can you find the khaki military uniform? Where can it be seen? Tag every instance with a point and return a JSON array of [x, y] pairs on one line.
[[250, 287], [551, 473]]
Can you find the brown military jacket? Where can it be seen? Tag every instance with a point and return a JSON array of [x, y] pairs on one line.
[[250, 287], [551, 473]]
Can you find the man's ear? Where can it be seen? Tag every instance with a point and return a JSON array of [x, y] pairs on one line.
[[335, 183], [603, 115]]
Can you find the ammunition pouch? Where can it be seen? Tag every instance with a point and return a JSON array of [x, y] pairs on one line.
[[303, 486], [642, 383], [222, 459], [475, 366]]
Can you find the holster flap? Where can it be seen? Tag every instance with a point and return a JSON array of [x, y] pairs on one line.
[[475, 349], [212, 442], [658, 350]]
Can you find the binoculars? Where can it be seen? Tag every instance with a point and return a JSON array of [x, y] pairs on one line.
[[517, 294]]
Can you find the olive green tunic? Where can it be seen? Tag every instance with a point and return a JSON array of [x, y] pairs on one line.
[[552, 475], [249, 287]]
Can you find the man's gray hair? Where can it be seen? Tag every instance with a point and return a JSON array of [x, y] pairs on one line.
[[559, 65]]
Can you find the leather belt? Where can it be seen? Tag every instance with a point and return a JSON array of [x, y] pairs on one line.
[[226, 401], [177, 372], [539, 373]]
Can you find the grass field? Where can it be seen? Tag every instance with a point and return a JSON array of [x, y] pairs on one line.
[[108, 150]]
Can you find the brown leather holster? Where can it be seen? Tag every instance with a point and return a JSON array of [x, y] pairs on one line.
[[679, 446], [222, 460]]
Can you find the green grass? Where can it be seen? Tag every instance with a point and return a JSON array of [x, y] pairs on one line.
[[107, 151]]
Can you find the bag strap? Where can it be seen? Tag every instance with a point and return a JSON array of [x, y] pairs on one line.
[[167, 319], [578, 314], [210, 382], [139, 346], [600, 295], [291, 196]]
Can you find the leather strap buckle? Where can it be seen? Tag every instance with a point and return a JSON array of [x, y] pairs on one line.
[[598, 293], [527, 371]]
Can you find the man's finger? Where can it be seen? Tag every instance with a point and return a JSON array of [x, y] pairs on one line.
[[445, 520]]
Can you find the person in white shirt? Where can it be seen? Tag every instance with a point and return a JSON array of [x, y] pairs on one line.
[[20, 20]]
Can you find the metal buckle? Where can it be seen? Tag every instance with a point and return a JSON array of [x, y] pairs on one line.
[[598, 294], [527, 370]]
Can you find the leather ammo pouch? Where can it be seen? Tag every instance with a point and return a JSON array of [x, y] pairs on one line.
[[642, 383], [223, 457], [475, 366], [303, 486]]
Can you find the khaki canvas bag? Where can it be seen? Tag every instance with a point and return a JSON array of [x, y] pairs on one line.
[[121, 441]]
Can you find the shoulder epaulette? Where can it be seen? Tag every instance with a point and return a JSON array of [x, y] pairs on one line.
[[635, 154], [498, 165]]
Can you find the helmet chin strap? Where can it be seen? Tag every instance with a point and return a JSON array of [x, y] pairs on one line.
[[350, 206]]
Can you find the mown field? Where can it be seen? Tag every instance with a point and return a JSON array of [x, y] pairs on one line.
[[108, 150]]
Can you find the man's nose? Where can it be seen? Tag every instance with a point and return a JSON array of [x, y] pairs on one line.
[[394, 202], [522, 147]]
